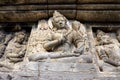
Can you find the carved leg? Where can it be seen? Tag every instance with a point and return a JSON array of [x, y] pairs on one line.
[[15, 60], [109, 61], [41, 56], [103, 56]]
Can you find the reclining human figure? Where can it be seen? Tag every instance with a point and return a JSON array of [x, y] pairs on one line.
[[108, 49], [63, 40]]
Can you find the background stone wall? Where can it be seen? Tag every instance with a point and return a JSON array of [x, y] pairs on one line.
[[83, 10]]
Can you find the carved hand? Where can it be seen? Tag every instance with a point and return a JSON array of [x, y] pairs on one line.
[[22, 53], [62, 39]]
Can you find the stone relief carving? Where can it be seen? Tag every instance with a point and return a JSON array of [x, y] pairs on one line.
[[4, 39], [57, 38], [108, 49], [118, 35], [14, 51]]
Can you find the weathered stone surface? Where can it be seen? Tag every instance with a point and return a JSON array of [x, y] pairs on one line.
[[21, 1], [84, 67], [24, 16], [98, 16], [82, 15], [68, 13], [109, 78], [104, 25], [30, 66], [62, 7], [25, 78], [56, 66], [64, 68], [98, 7], [67, 76], [98, 1], [25, 73], [61, 1], [23, 8], [5, 76]]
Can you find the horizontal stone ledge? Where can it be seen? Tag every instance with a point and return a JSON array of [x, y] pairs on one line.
[[7, 2], [61, 1], [103, 25], [98, 7], [23, 7], [98, 16], [25, 16], [70, 14], [37, 7], [82, 15], [98, 1], [63, 6]]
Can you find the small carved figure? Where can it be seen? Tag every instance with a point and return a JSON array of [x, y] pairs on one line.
[[107, 49], [15, 50]]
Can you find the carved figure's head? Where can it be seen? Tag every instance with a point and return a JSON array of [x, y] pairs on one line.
[[19, 37], [100, 34], [59, 21], [103, 38]]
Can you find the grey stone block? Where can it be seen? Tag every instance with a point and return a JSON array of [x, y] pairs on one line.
[[98, 1], [98, 16], [62, 7], [23, 8], [22, 16], [84, 67], [30, 66], [61, 1], [56, 66], [98, 7], [21, 1], [67, 76]]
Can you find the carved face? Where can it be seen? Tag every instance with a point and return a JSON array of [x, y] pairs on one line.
[[20, 38], [59, 22], [105, 39], [100, 34]]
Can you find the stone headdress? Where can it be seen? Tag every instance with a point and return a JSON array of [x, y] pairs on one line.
[[55, 15]]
